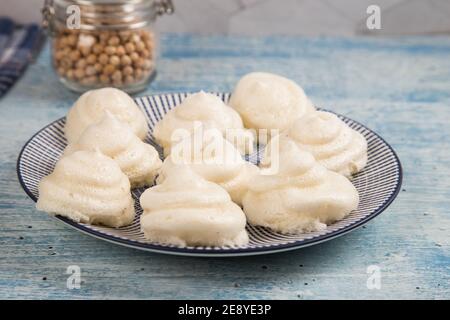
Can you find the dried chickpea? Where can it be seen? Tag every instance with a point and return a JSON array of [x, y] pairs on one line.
[[103, 58], [124, 35], [90, 70], [114, 60], [97, 48], [125, 60], [85, 51], [79, 73], [110, 50], [70, 74], [63, 41], [109, 69], [140, 46], [91, 59], [81, 63], [72, 40], [98, 67], [117, 76], [66, 63], [134, 56], [147, 64], [146, 53], [74, 55], [120, 50], [129, 79], [59, 54], [138, 73], [114, 41], [139, 63], [129, 47], [149, 44], [57, 44], [66, 50], [104, 79], [135, 38], [127, 71]]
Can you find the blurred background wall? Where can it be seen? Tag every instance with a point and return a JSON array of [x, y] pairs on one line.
[[299, 17]]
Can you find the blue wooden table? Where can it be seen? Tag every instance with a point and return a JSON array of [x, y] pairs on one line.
[[399, 87]]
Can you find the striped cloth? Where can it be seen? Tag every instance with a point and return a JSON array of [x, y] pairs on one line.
[[18, 46]]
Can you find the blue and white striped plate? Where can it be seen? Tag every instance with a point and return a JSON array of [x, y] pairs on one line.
[[378, 184]]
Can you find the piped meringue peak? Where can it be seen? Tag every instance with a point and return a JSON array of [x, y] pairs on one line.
[[138, 160], [91, 106], [332, 142], [186, 210], [211, 112], [268, 101], [88, 187], [303, 196], [215, 159]]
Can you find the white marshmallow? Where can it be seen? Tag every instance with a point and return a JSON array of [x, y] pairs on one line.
[[186, 210], [301, 196], [268, 101], [88, 187], [138, 160], [91, 106], [332, 142], [210, 112], [215, 159]]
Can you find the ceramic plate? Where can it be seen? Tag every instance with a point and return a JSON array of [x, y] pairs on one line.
[[378, 184]]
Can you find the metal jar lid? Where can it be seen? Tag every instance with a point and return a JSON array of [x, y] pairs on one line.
[[104, 14]]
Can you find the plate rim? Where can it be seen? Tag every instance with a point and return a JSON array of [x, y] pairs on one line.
[[232, 252]]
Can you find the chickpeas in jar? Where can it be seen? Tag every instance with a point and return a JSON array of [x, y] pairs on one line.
[[105, 58], [114, 44]]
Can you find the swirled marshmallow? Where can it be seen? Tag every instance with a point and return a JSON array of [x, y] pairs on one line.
[[91, 106], [213, 158], [210, 112], [332, 142], [268, 101], [302, 196], [138, 160], [87, 187], [186, 210]]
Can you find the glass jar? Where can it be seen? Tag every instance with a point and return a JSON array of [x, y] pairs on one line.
[[104, 43]]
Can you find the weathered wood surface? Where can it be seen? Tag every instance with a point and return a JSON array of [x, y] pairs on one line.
[[399, 87]]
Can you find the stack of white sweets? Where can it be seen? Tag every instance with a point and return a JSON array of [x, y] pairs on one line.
[[205, 191]]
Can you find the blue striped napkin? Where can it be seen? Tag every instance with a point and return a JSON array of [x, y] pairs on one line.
[[18, 46]]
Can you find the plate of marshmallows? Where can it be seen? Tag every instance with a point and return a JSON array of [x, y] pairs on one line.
[[256, 171]]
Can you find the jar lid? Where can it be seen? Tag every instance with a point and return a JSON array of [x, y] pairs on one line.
[[106, 14]]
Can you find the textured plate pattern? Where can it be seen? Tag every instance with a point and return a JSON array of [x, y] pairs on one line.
[[378, 184]]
